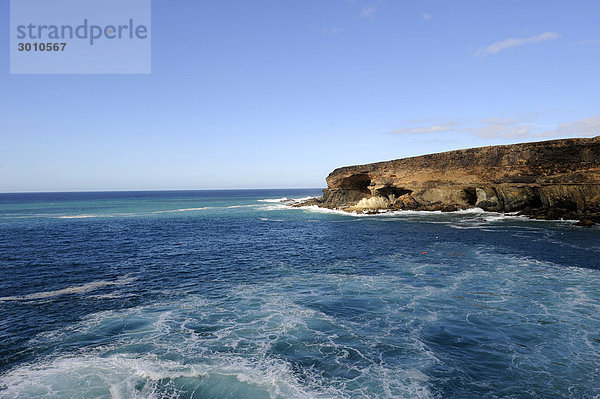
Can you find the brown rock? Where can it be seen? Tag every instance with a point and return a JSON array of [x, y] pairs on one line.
[[548, 179], [404, 202], [585, 223]]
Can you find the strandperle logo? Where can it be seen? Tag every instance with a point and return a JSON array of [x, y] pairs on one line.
[[85, 31], [80, 36]]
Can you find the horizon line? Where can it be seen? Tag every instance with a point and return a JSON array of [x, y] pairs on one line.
[[158, 190]]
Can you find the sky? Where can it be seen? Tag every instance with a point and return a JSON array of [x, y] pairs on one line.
[[277, 94]]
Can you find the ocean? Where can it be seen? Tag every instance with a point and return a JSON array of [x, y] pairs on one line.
[[234, 294]]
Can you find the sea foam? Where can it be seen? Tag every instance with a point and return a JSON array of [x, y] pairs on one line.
[[78, 289]]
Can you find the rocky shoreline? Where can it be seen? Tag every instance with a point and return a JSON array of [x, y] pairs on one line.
[[552, 180]]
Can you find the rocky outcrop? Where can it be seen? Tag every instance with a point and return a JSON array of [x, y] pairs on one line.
[[549, 179]]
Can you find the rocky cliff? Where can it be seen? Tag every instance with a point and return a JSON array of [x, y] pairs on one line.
[[549, 179]]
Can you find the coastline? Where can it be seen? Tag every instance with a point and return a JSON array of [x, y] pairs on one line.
[[551, 180]]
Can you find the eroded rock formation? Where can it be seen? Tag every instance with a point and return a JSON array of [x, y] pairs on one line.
[[549, 179]]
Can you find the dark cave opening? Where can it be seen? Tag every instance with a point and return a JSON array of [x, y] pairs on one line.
[[393, 191], [357, 182], [470, 196]]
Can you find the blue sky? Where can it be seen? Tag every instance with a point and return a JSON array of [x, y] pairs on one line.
[[261, 94]]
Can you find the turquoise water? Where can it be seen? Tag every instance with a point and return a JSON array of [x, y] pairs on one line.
[[233, 294]]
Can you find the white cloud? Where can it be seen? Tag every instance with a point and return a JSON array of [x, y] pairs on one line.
[[584, 127], [589, 42], [495, 48], [437, 128], [426, 16], [502, 127], [326, 31], [368, 12], [524, 127]]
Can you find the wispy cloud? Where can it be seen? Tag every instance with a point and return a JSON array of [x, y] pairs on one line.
[[496, 47], [589, 42], [426, 16], [488, 128], [524, 127], [448, 126], [331, 30], [584, 127], [368, 12], [503, 128]]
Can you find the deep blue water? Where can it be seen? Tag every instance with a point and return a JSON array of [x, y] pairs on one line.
[[220, 294]]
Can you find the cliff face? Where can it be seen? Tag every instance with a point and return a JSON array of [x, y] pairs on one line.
[[550, 179]]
